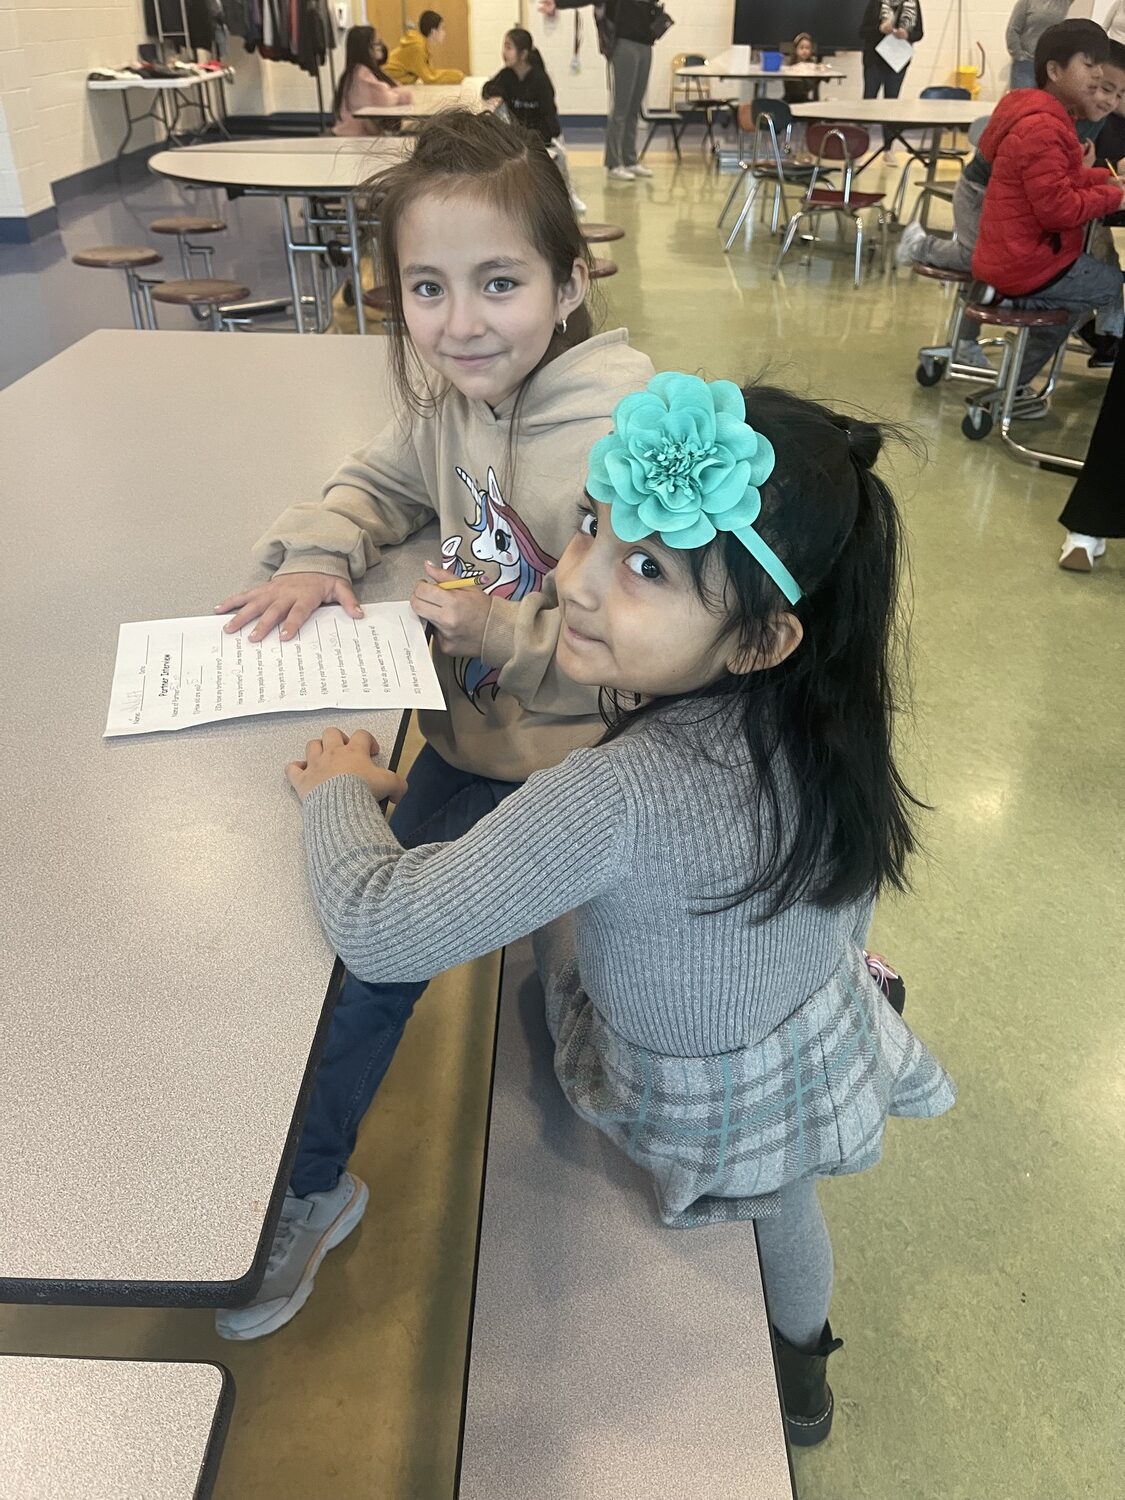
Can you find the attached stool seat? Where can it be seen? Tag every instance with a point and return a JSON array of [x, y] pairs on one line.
[[940, 273], [184, 225], [602, 268], [127, 258], [1007, 397], [600, 234], [206, 294]]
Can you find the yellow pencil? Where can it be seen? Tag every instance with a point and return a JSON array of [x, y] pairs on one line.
[[458, 583]]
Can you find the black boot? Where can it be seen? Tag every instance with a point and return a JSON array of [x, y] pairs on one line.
[[805, 1393]]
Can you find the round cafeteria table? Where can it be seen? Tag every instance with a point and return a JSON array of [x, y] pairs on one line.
[[428, 99], [305, 167]]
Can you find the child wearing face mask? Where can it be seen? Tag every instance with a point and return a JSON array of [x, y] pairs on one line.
[[701, 880], [504, 386]]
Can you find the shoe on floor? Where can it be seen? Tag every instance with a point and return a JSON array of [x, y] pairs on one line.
[[639, 169], [1028, 407], [1079, 552], [307, 1230], [969, 352], [890, 159], [576, 203], [907, 247], [620, 174], [805, 1393], [1105, 355]]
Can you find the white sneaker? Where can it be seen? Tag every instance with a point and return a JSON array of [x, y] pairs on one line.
[[620, 174], [576, 203], [906, 251], [1079, 552], [639, 169], [969, 352], [307, 1230]]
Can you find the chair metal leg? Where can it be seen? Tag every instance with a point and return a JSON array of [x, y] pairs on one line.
[[755, 184], [132, 281], [787, 242], [858, 222], [737, 183]]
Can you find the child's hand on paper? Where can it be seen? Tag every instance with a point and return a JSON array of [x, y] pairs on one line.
[[288, 599], [338, 754], [457, 615]]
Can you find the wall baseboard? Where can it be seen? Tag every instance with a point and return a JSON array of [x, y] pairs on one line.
[[131, 165], [23, 231]]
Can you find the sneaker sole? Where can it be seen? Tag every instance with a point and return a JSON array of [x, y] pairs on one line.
[[334, 1235]]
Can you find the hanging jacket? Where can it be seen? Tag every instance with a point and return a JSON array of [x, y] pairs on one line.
[[531, 100], [409, 62], [1040, 195]]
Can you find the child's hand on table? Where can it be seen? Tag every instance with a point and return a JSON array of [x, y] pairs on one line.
[[338, 754], [288, 599], [457, 615]]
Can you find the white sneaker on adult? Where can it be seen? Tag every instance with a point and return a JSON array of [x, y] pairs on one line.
[[639, 169], [307, 1230], [1079, 552], [906, 251], [576, 203], [620, 174]]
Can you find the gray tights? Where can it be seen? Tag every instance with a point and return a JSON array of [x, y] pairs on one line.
[[796, 1256]]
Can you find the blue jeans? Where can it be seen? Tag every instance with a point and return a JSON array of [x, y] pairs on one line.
[[1023, 74], [369, 1019]]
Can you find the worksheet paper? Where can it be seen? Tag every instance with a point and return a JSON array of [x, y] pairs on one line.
[[896, 51], [173, 673]]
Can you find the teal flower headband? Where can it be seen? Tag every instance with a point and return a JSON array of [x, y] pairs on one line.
[[682, 462]]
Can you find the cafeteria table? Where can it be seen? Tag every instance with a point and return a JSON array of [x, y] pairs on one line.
[[111, 1429], [307, 168], [166, 983]]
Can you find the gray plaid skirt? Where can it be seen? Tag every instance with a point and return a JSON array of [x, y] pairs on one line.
[[721, 1135]]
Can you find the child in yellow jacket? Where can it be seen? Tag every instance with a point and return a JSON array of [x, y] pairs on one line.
[[410, 61]]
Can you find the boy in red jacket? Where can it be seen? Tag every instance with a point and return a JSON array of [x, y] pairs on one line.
[[1041, 195]]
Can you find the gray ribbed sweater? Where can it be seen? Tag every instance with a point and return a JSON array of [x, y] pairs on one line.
[[629, 836], [1027, 23]]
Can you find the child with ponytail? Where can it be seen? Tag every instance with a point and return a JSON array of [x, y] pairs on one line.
[[700, 881], [524, 86]]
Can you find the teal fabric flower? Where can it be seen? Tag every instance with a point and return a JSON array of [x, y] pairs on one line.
[[683, 463]]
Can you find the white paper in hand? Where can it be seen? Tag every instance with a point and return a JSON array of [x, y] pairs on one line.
[[173, 673], [895, 51]]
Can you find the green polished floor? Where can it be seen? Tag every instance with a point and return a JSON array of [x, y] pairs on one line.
[[980, 1266]]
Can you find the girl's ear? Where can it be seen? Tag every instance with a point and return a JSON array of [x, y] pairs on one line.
[[788, 633], [572, 293]]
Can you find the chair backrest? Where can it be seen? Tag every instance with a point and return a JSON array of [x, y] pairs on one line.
[[836, 142], [944, 91], [750, 113]]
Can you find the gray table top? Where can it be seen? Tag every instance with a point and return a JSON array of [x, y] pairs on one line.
[[908, 113], [164, 971], [189, 81], [312, 164], [110, 1429], [611, 1358], [822, 71]]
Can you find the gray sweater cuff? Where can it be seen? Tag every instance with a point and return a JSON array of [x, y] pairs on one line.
[[342, 818]]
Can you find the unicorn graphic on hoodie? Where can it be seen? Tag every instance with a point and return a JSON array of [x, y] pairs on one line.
[[502, 539]]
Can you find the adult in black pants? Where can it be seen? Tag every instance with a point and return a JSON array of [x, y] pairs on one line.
[[900, 18], [625, 37], [1096, 508]]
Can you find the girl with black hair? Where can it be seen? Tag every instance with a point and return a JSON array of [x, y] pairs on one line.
[[363, 84], [525, 88], [700, 881]]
